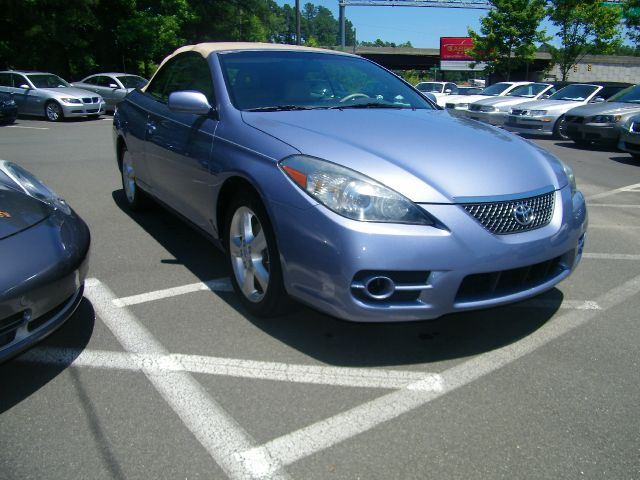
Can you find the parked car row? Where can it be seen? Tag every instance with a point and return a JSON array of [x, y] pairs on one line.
[[597, 112], [47, 95], [440, 91]]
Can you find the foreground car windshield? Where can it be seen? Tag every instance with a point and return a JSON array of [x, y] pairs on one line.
[[527, 91], [308, 80], [628, 95], [574, 93], [47, 80]]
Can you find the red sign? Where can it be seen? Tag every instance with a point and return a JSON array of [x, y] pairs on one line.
[[455, 48]]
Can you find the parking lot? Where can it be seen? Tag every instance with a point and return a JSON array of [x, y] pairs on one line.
[[161, 374]]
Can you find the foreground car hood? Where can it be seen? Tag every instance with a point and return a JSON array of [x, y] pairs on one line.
[[425, 155], [18, 212], [605, 108]]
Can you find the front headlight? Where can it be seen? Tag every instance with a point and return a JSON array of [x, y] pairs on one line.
[[29, 184], [537, 113], [71, 100], [351, 194], [461, 106], [606, 118], [488, 109], [571, 178]]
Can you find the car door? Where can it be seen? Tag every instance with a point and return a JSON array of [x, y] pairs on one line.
[[108, 88], [26, 97], [178, 145]]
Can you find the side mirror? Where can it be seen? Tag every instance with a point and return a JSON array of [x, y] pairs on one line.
[[24, 86], [598, 100], [447, 91], [545, 96], [189, 101], [113, 85]]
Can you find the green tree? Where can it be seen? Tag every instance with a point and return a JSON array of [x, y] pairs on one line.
[[585, 27], [631, 15], [508, 35]]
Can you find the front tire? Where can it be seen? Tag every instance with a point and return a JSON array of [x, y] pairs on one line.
[[253, 257], [558, 129], [53, 111]]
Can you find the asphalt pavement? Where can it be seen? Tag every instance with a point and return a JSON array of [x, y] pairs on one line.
[[160, 374]]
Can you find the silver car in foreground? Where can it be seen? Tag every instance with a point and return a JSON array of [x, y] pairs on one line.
[[328, 179], [547, 117], [113, 87], [47, 95], [598, 122]]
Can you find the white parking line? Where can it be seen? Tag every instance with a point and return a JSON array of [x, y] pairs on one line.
[[30, 128], [308, 374], [613, 205], [220, 285], [611, 256], [615, 227], [628, 188], [218, 433], [329, 432]]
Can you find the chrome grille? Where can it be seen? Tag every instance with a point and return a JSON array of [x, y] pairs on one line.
[[518, 111], [500, 218], [475, 108], [90, 100]]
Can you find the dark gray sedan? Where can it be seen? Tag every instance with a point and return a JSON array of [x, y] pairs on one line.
[[113, 87], [599, 122]]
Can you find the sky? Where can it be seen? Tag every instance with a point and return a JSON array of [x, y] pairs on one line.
[[422, 26]]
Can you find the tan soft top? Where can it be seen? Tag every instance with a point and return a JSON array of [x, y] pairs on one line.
[[205, 49]]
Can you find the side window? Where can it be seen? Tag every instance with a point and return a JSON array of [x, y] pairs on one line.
[[5, 80], [19, 80], [90, 80], [104, 81], [188, 71], [453, 87]]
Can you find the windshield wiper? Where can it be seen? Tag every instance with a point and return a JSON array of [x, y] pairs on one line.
[[280, 108], [369, 105]]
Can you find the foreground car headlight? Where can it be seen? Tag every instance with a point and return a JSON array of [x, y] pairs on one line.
[[571, 178], [606, 118], [537, 113], [351, 194], [26, 182], [71, 100]]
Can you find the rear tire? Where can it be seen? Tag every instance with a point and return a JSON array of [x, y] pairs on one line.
[[253, 257], [136, 198]]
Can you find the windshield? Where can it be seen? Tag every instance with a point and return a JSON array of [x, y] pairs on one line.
[[495, 89], [430, 87], [131, 81], [271, 80], [628, 95], [574, 93], [47, 80], [528, 91]]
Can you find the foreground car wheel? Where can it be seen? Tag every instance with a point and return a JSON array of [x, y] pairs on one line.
[[253, 257], [136, 198], [53, 111]]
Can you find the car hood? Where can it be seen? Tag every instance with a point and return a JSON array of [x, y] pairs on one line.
[[19, 211], [503, 101], [426, 155], [605, 108], [557, 106], [466, 98], [69, 92]]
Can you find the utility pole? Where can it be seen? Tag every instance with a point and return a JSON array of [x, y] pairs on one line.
[[297, 22]]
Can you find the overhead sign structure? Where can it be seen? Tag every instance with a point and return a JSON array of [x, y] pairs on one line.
[[454, 54]]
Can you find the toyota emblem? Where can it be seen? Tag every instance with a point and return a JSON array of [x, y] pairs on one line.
[[523, 214]]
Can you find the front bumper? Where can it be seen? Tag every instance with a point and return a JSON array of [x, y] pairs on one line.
[[44, 268], [82, 110], [493, 118], [629, 142], [531, 125], [592, 132], [327, 259]]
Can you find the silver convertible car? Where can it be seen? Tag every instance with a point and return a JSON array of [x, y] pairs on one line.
[[327, 179], [47, 95]]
